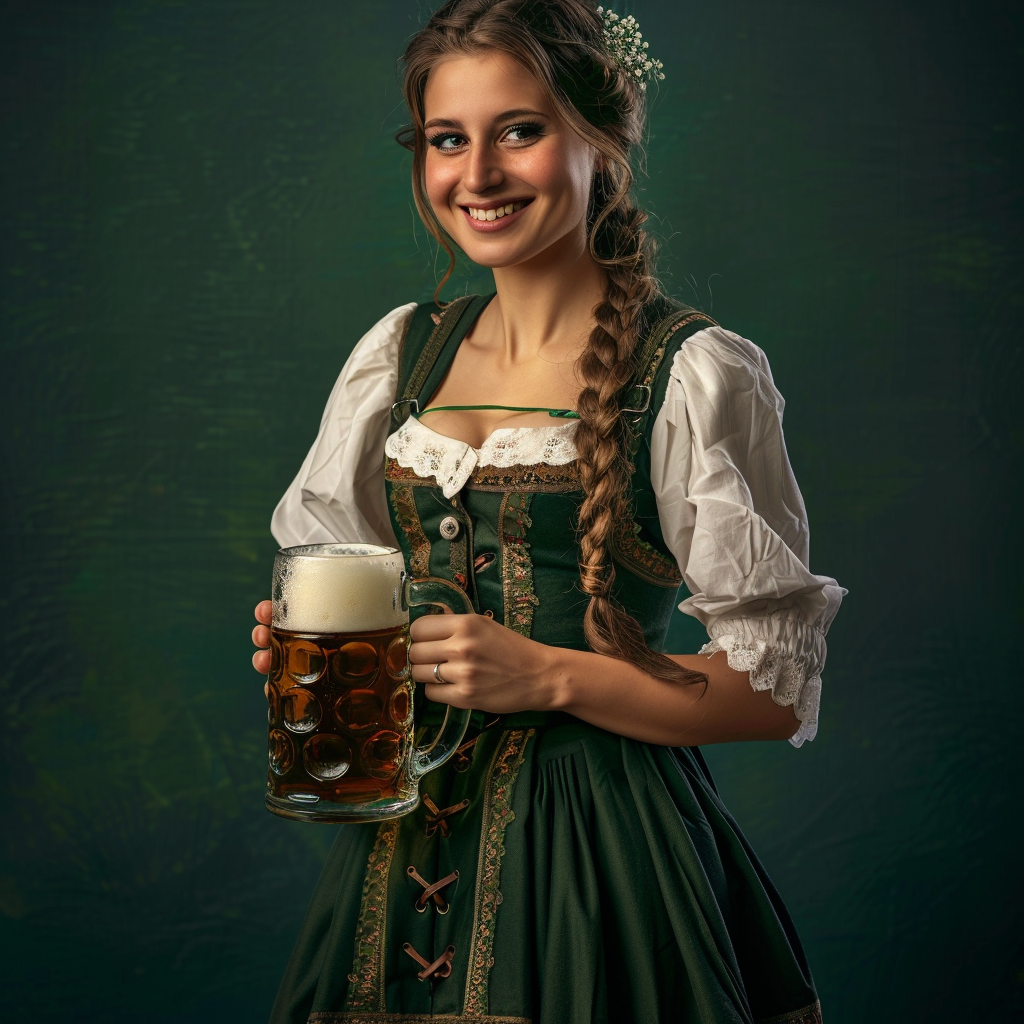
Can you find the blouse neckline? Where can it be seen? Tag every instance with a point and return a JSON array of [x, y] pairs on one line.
[[450, 462], [566, 427]]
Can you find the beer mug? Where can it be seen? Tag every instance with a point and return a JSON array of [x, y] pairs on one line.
[[340, 688]]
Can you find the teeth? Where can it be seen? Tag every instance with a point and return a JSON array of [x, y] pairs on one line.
[[495, 214]]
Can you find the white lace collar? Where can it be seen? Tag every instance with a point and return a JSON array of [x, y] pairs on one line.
[[450, 462]]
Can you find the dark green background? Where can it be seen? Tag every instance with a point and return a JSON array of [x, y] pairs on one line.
[[203, 210]]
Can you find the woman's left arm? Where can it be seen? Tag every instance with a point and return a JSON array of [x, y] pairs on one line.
[[486, 666]]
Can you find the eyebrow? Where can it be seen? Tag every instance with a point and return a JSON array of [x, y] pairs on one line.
[[442, 122]]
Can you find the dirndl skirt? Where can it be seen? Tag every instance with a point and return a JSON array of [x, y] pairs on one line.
[[554, 873]]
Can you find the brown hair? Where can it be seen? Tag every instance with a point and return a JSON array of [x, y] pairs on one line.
[[560, 43]]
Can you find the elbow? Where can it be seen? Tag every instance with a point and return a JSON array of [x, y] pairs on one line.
[[784, 724]]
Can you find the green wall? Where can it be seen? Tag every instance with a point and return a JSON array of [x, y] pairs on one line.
[[203, 209]]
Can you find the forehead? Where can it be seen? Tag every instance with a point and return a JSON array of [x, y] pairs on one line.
[[480, 86]]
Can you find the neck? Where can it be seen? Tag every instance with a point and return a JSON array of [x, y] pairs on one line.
[[546, 306]]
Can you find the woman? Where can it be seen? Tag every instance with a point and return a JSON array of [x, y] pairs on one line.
[[578, 447]]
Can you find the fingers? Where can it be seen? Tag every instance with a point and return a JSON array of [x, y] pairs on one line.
[[444, 695], [261, 637], [435, 627], [423, 672], [428, 652]]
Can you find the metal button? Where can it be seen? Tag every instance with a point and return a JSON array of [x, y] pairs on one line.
[[449, 527]]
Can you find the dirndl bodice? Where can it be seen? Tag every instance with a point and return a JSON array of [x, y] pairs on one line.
[[554, 873]]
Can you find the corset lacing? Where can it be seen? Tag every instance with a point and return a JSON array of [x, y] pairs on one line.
[[436, 818], [432, 890], [440, 968]]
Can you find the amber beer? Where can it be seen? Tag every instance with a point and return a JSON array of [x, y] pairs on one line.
[[339, 691]]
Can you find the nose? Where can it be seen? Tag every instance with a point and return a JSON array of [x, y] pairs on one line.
[[483, 169]]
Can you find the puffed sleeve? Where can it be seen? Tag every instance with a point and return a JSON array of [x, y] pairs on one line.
[[733, 516], [338, 493]]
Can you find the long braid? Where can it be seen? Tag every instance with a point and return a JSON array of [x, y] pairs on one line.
[[607, 365]]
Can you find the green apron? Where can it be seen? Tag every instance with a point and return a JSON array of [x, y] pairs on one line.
[[554, 873]]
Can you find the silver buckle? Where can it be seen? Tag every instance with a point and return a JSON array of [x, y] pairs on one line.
[[640, 410], [414, 407]]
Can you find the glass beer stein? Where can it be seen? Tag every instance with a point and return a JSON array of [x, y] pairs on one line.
[[341, 742]]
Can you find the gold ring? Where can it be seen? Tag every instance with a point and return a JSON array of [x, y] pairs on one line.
[[437, 673]]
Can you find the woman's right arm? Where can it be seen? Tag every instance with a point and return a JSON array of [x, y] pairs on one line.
[[338, 492]]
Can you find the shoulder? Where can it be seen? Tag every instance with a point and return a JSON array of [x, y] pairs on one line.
[[369, 373], [376, 352], [717, 346], [716, 363]]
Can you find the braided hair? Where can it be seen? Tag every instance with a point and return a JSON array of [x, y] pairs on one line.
[[560, 43]]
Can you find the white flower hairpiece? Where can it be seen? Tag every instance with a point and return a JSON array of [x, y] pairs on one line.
[[626, 44]]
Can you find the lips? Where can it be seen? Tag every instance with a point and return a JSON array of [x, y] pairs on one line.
[[494, 217]]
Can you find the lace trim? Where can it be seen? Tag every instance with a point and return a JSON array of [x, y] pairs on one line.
[[781, 655], [451, 462]]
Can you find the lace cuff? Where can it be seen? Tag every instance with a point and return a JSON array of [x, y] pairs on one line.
[[781, 654]]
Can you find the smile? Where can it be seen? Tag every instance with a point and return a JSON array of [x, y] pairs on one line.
[[495, 218], [494, 214]]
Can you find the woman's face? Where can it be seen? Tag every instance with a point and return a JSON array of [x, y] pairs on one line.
[[507, 178]]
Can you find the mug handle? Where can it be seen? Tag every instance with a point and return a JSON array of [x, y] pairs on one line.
[[430, 591]]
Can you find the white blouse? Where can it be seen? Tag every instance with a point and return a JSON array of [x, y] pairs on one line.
[[729, 505]]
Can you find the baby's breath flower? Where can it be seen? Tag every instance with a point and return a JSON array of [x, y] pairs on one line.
[[626, 44]]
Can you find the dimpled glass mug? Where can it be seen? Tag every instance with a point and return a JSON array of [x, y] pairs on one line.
[[340, 690]]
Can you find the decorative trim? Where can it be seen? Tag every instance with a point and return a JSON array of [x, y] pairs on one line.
[[538, 477], [628, 548], [443, 327], [403, 501], [366, 982], [659, 337], [808, 1015], [518, 594], [642, 559], [457, 555], [396, 474], [330, 1017], [497, 813]]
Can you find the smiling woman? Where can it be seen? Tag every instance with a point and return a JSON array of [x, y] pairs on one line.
[[573, 864], [506, 159]]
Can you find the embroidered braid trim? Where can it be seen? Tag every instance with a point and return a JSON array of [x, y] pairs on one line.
[[641, 558], [808, 1015], [497, 814], [518, 594], [403, 501], [538, 477], [331, 1017], [366, 991]]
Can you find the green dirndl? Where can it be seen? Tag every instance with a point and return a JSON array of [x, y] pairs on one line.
[[554, 873]]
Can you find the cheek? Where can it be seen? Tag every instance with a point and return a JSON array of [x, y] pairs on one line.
[[440, 180], [569, 176]]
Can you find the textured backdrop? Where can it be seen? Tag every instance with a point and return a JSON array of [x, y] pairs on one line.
[[203, 209]]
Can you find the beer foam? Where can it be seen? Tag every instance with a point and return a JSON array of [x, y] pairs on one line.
[[338, 588]]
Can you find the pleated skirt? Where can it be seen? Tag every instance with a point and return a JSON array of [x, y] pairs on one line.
[[599, 881]]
